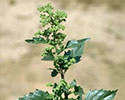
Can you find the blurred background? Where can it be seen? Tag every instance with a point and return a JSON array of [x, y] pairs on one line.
[[103, 62]]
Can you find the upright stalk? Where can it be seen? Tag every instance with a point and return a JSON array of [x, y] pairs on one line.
[[63, 77], [63, 57]]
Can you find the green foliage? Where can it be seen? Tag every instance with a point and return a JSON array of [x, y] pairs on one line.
[[63, 56], [36, 95], [62, 87], [36, 40], [77, 47], [54, 72], [100, 95]]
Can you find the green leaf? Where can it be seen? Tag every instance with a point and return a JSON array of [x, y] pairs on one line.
[[73, 83], [77, 47], [60, 14], [54, 73], [50, 85], [68, 56], [36, 40], [75, 43], [100, 95], [38, 33], [46, 8], [78, 90], [36, 95], [48, 57]]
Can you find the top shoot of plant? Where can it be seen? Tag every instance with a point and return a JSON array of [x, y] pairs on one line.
[[63, 56]]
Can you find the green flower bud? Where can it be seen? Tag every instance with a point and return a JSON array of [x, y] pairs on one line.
[[43, 54], [72, 60], [66, 66], [50, 84], [65, 61], [60, 40], [63, 35], [69, 63]]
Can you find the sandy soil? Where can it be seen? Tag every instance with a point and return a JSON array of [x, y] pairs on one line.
[[103, 62]]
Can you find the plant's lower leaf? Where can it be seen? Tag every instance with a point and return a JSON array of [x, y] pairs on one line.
[[36, 40], [36, 95], [100, 95]]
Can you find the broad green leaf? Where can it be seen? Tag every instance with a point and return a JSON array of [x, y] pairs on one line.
[[77, 47], [36, 95], [76, 43], [100, 95], [36, 40], [48, 57]]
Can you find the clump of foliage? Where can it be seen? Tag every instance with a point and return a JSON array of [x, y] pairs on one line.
[[63, 56]]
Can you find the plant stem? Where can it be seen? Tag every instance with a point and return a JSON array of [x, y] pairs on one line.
[[66, 96], [63, 77]]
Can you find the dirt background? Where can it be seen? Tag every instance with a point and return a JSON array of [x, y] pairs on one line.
[[103, 62]]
